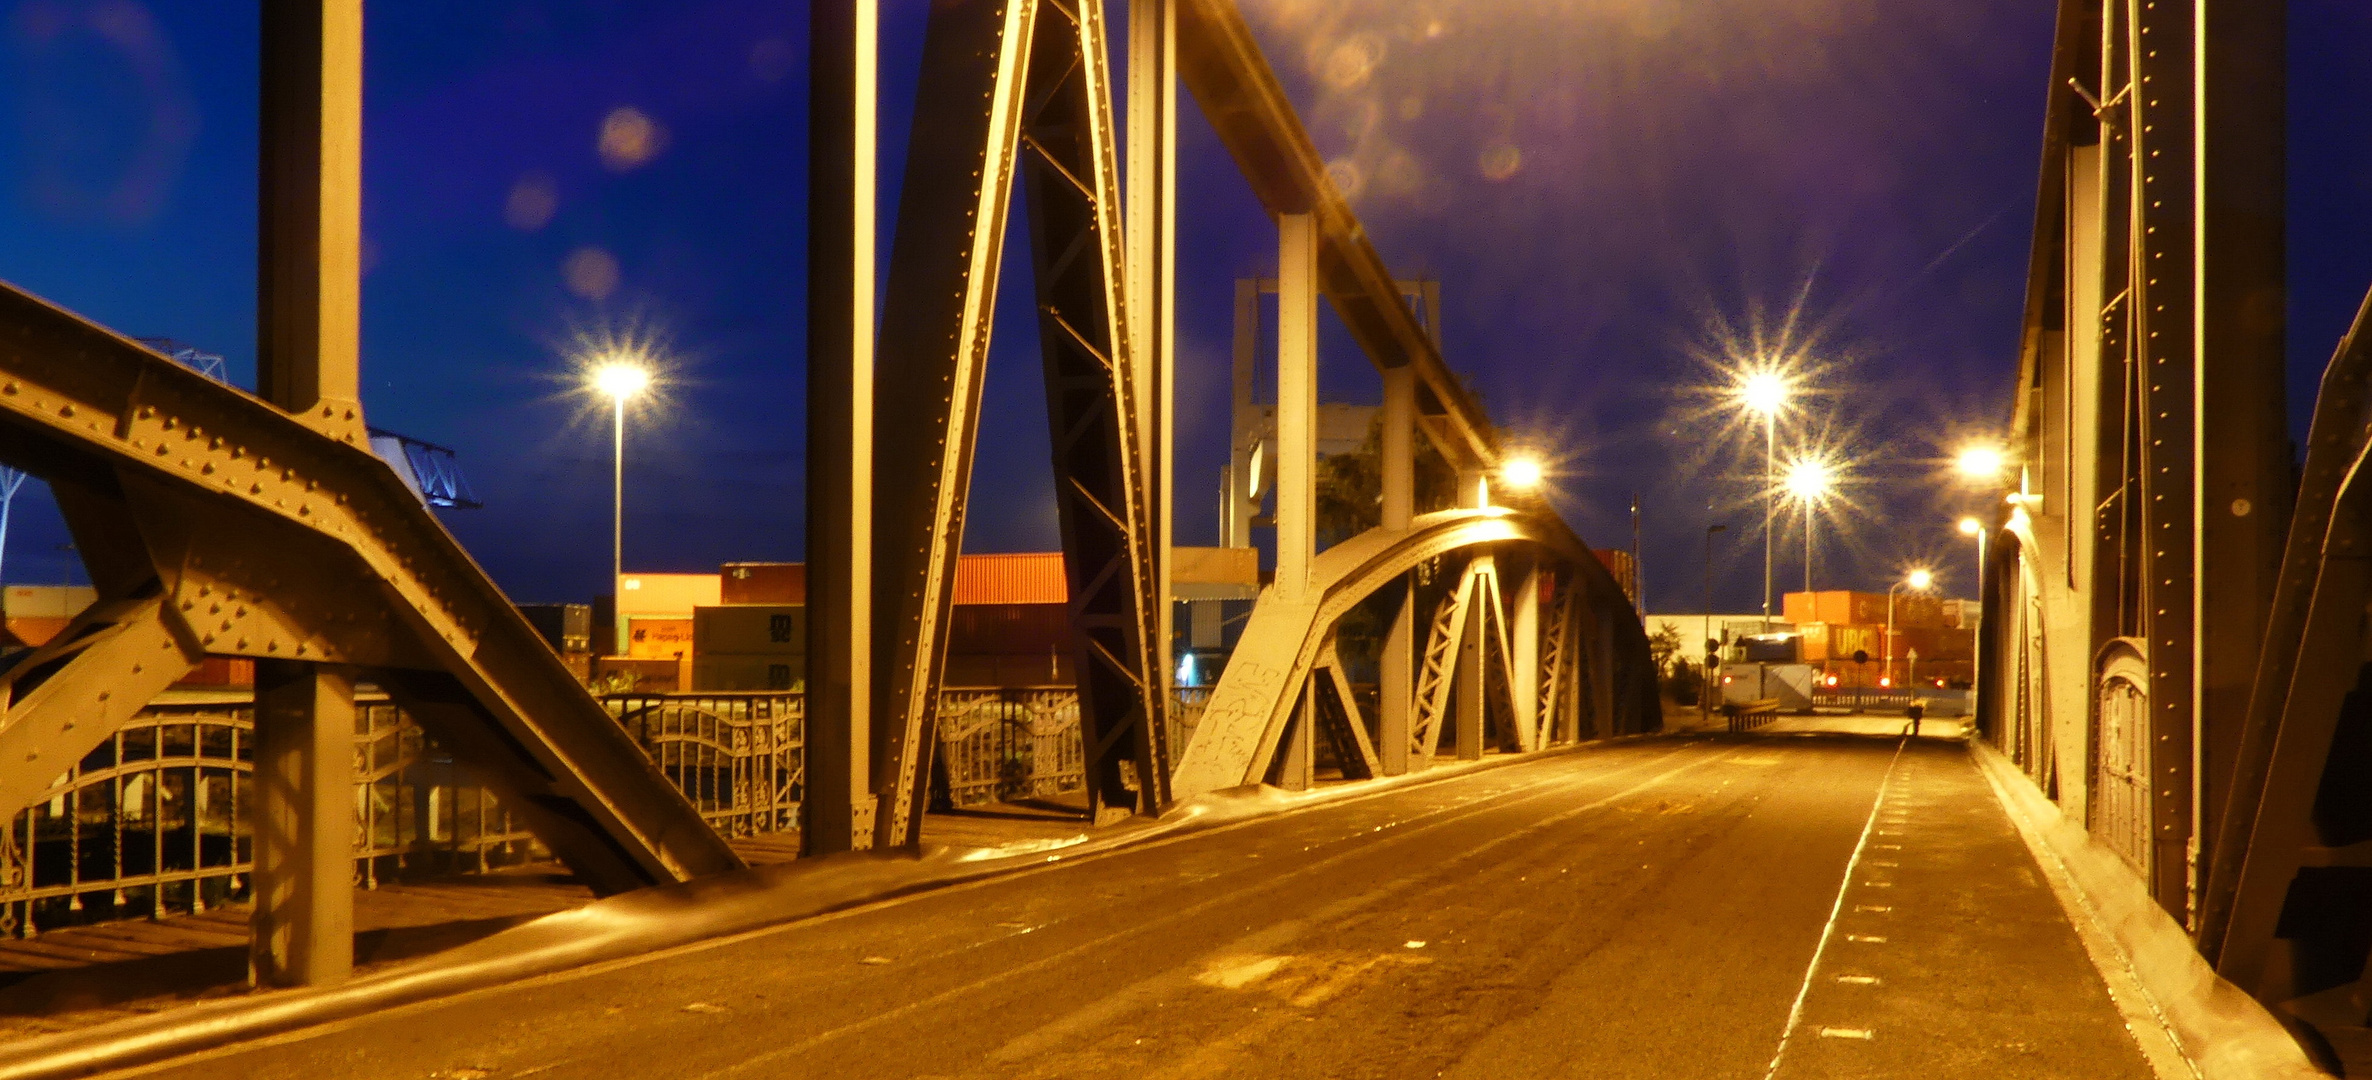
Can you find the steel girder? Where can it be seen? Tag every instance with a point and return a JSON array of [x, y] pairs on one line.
[[217, 524], [1014, 86], [2148, 420], [2288, 809], [1223, 66]]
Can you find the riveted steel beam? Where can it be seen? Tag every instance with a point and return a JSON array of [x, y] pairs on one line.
[[2312, 660], [933, 354], [364, 573], [1231, 80], [1016, 87]]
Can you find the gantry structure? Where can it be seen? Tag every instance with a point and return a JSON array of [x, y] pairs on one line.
[[221, 523], [2174, 620]]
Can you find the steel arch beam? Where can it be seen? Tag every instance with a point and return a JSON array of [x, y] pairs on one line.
[[273, 540], [1284, 642]]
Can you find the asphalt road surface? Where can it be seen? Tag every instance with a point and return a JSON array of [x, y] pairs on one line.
[[1755, 906]]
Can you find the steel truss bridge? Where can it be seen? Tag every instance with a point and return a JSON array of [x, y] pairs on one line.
[[2175, 622], [219, 523]]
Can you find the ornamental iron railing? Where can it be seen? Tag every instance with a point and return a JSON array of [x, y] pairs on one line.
[[739, 757], [155, 821]]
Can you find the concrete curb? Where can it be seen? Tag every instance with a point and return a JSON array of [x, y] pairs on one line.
[[2221, 1032], [640, 924]]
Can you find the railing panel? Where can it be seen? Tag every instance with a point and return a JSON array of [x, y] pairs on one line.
[[155, 821], [1010, 743], [739, 757]]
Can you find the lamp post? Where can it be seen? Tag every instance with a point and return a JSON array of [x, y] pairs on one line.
[[1712, 670], [622, 380], [1917, 580], [1765, 392], [1970, 526], [1810, 482], [1979, 463]]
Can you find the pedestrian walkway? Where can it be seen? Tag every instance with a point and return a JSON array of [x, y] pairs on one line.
[[1948, 953], [76, 977]]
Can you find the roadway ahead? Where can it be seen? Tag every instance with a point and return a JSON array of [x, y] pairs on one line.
[[1651, 909]]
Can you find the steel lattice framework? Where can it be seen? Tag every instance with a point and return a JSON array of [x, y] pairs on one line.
[[215, 522], [2174, 626]]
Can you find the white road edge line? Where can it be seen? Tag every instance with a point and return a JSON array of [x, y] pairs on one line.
[[1795, 1015]]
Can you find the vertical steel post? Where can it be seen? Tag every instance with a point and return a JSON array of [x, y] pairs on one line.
[[1396, 666], [1471, 673], [2161, 43], [303, 925], [1396, 671], [839, 807], [308, 345], [1523, 661], [1297, 402], [309, 184], [1297, 762], [1243, 424], [2241, 469], [1398, 447]]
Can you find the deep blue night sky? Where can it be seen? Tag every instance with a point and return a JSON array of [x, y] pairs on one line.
[[1608, 189]]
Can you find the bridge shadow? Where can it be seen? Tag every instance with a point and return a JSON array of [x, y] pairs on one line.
[[75, 976], [210, 972]]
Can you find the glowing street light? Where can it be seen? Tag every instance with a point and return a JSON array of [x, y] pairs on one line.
[[1980, 462], [1809, 484], [1917, 581], [1521, 474], [1765, 392], [621, 380]]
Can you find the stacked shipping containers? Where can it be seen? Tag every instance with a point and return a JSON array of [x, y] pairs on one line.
[[1011, 626], [1837, 624]]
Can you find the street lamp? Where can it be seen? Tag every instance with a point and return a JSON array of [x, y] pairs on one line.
[[1980, 462], [1916, 581], [1521, 474], [1810, 482], [1970, 526], [622, 380], [1765, 392], [1712, 670]]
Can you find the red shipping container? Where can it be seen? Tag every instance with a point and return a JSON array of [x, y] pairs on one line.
[[764, 583]]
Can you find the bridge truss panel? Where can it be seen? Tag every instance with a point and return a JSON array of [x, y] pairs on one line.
[[2150, 495], [1014, 88], [1286, 643]]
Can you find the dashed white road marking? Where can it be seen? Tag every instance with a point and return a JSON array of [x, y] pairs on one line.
[[1795, 1015], [1867, 939], [1859, 980]]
